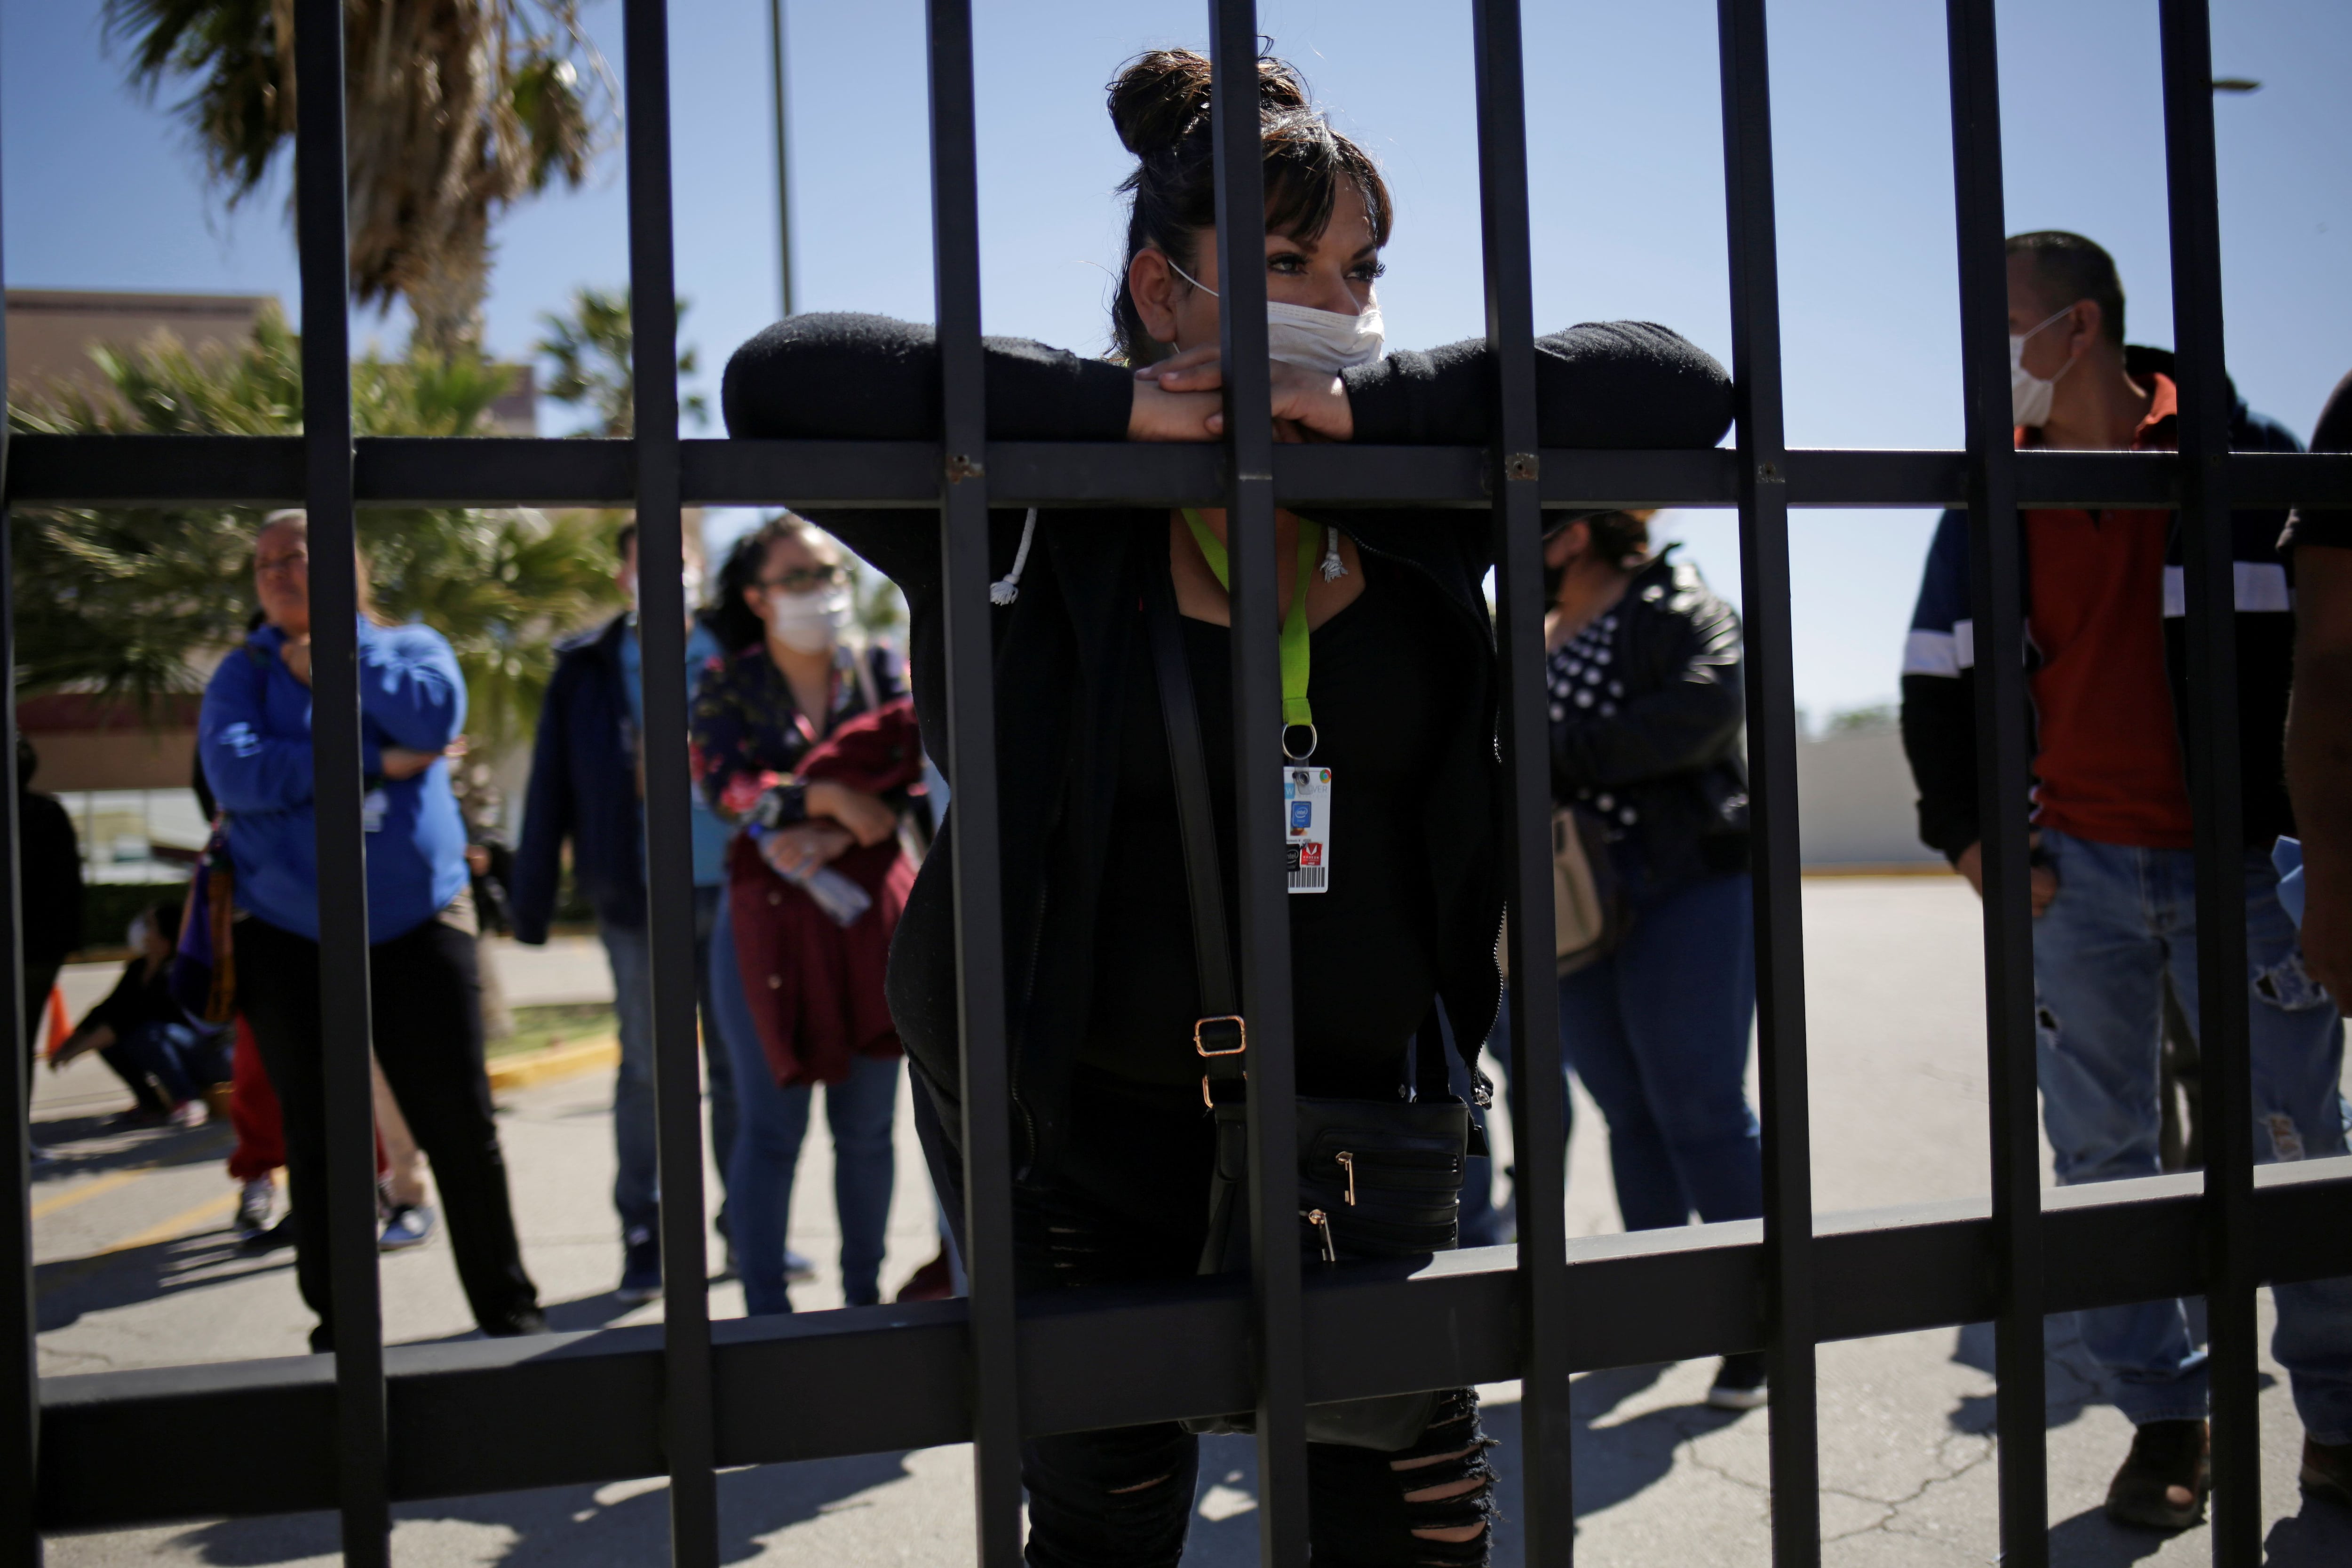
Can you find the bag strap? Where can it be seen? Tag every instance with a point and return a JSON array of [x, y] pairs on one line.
[[1220, 1036]]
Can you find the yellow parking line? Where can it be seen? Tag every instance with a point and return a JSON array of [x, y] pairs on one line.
[[172, 1229], [179, 1224], [43, 1208]]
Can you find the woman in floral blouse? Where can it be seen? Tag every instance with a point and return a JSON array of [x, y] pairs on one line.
[[786, 682]]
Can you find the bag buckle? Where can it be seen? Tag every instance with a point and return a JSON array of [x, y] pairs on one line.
[[1228, 1027], [1210, 1039]]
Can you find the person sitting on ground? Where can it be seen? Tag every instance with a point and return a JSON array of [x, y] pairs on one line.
[[2113, 878], [1390, 636], [253, 734], [168, 1059]]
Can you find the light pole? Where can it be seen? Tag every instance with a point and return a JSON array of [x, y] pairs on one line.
[[783, 160]]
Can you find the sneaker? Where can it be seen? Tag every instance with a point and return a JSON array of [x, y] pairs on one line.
[[254, 1201], [270, 1240], [2328, 1471], [934, 1281], [189, 1113], [641, 1267], [798, 1270], [2164, 1480], [407, 1225], [1739, 1383]]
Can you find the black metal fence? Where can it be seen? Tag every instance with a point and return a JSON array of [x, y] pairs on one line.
[[369, 1427]]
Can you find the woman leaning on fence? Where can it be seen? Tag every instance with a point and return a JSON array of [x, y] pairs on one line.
[[425, 990], [1390, 693]]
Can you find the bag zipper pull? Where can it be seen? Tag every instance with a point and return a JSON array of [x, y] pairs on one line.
[[1348, 1162], [1322, 1223]]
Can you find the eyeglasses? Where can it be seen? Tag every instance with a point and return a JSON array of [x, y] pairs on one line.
[[802, 579]]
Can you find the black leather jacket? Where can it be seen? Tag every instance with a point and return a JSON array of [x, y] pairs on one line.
[[1667, 769]]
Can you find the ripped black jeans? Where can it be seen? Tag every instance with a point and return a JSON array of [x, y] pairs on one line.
[[1129, 1206]]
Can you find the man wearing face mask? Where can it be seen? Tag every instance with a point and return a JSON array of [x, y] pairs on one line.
[[2114, 873], [587, 786]]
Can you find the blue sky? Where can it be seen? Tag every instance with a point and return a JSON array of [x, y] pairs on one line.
[[100, 191]]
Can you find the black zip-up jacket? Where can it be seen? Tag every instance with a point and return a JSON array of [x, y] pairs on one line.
[[1064, 647], [1939, 677], [1670, 753]]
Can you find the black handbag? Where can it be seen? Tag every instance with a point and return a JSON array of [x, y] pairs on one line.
[[1376, 1178]]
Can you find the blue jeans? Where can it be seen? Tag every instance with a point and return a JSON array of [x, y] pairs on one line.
[[636, 1190], [775, 1122], [180, 1058], [1658, 1031], [2123, 919]]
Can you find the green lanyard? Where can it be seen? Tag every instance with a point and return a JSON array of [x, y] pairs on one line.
[[1294, 710]]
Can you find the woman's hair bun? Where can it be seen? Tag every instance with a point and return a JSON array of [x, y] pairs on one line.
[[1161, 97]]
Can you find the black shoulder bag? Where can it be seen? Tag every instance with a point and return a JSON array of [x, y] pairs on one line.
[[1376, 1178]]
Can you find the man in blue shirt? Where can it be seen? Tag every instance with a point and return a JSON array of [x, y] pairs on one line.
[[587, 787]]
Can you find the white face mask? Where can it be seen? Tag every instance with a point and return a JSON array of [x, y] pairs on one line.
[[1316, 340], [809, 622], [2029, 395]]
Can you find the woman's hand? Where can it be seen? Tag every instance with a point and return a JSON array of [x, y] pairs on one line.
[[295, 654], [401, 763], [96, 1037], [1316, 403], [797, 851], [867, 816], [1159, 414]]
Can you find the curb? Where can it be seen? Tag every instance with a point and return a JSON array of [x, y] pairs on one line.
[[526, 1067]]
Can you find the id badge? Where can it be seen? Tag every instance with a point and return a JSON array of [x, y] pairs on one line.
[[1306, 825], [372, 807]]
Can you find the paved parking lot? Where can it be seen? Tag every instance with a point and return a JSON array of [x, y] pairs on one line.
[[134, 1269]]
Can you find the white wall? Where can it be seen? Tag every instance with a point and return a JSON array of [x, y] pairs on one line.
[[1856, 802]]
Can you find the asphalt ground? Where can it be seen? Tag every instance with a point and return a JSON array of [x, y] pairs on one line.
[[134, 1268]]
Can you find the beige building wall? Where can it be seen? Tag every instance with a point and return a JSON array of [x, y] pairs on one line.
[[51, 331]]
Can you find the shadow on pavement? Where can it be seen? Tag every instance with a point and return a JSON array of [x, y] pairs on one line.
[[1612, 1464], [566, 1527], [2320, 1536], [103, 1147], [597, 1311], [67, 1287], [2091, 1540]]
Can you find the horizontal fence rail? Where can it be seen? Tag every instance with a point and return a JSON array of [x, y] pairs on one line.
[[580, 1408], [402, 471]]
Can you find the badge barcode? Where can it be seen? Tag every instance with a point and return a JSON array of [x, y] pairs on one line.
[[1309, 877]]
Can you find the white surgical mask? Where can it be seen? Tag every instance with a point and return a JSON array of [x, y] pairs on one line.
[[809, 622], [1318, 339], [2030, 394]]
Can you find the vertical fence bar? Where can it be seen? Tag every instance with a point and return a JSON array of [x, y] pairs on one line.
[[1258, 761], [1996, 580], [1772, 770], [20, 1383], [689, 1441], [2215, 791], [972, 767], [1540, 1138], [344, 989]]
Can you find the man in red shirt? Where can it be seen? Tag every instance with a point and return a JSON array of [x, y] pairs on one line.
[[2114, 875]]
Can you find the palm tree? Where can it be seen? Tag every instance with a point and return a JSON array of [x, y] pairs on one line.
[[590, 348], [454, 110], [134, 604]]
